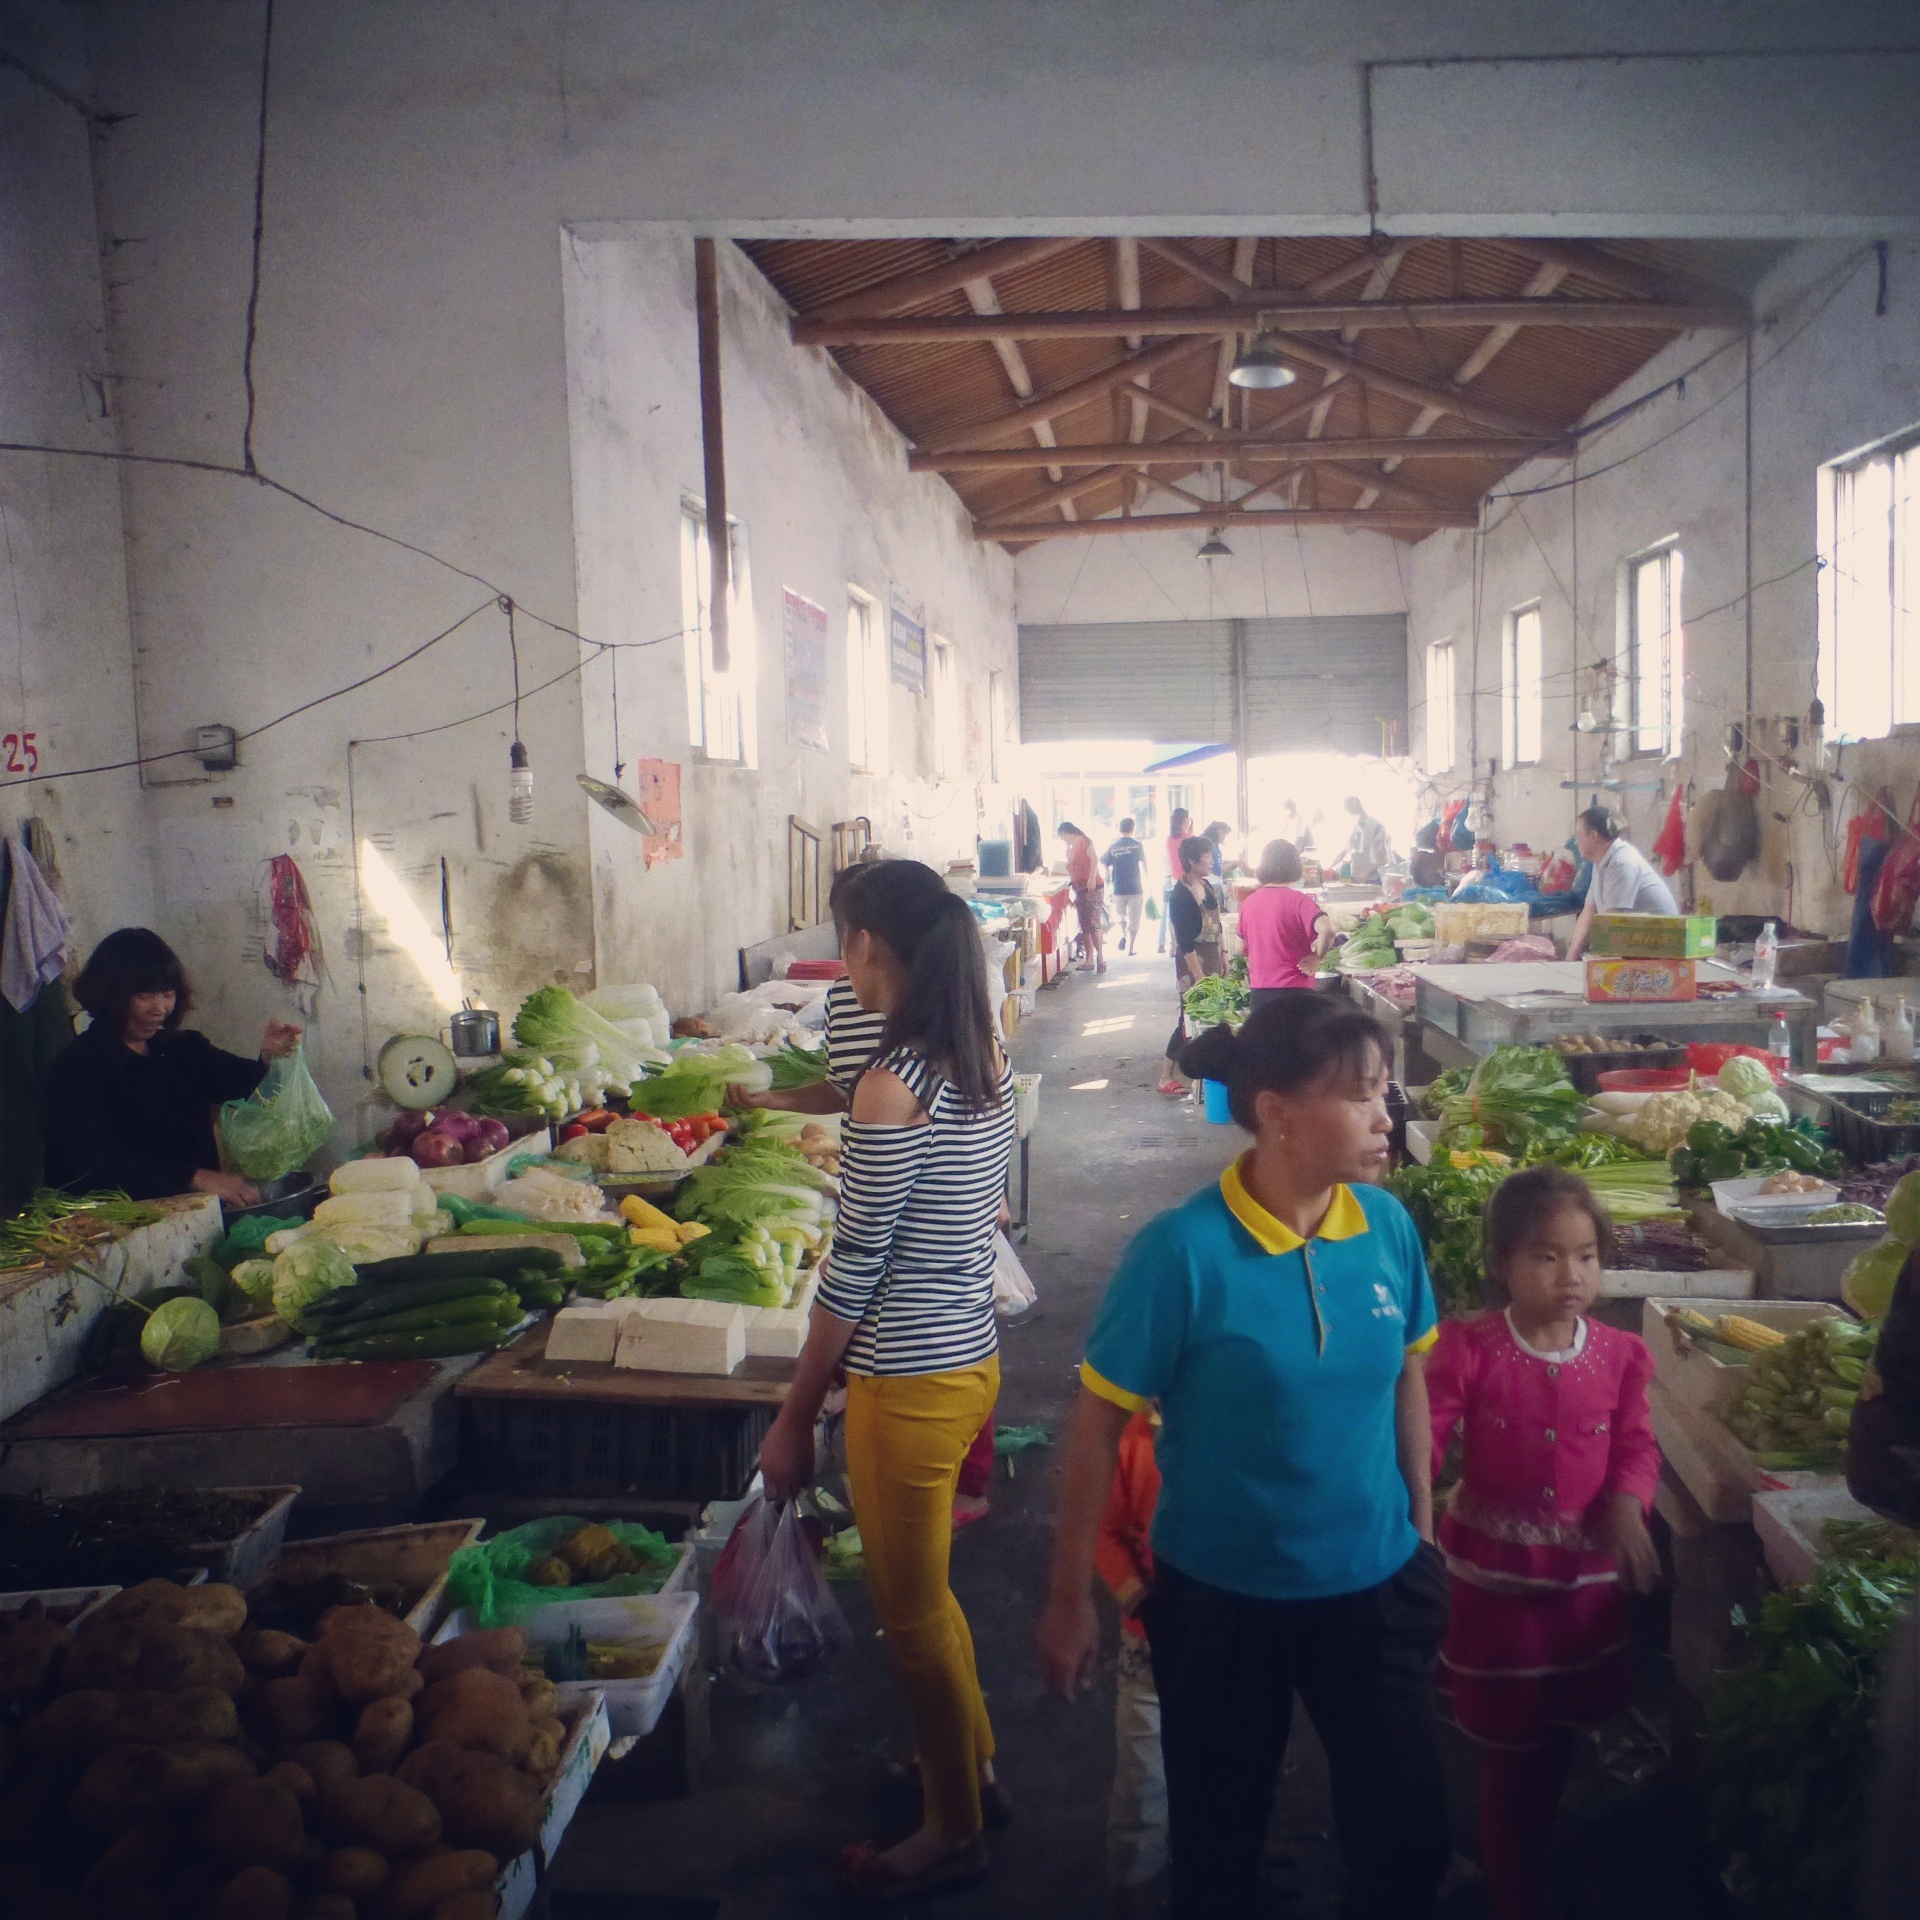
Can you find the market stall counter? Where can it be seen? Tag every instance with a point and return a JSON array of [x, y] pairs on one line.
[[1465, 1011]]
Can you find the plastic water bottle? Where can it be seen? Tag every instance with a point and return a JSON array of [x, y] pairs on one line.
[[1897, 1039], [1766, 955], [1780, 1042]]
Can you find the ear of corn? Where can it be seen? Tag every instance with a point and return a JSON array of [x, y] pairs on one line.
[[1748, 1335]]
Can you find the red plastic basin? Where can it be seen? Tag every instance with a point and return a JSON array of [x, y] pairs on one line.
[[1646, 1080]]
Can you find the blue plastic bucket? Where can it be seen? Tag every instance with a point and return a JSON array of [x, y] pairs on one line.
[[1215, 1095]]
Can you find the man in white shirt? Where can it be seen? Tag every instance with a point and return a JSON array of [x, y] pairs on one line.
[[1623, 879]]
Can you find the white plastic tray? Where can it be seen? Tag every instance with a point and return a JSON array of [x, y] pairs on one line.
[[1746, 1195], [634, 1707]]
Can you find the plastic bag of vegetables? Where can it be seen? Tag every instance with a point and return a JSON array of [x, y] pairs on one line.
[[280, 1125]]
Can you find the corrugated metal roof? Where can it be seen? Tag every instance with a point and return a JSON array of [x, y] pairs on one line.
[[1553, 375]]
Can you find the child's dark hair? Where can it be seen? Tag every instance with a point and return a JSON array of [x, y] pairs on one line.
[[945, 1011], [1289, 1044], [1520, 1202]]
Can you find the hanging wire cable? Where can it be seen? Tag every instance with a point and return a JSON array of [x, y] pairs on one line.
[[259, 240]]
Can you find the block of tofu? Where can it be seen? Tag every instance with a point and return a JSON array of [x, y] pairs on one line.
[[588, 1330], [683, 1336], [778, 1333]]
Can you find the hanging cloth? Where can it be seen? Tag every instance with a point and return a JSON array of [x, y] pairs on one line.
[[36, 931], [1670, 849], [1870, 823]]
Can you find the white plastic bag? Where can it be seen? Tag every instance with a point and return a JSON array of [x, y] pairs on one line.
[[1013, 1291]]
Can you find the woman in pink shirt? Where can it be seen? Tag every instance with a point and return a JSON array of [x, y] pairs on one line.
[[1281, 927]]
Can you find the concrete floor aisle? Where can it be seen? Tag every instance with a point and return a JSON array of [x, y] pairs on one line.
[[798, 1771]]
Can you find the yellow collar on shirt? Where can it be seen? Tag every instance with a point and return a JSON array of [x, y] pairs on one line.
[[1345, 1218]]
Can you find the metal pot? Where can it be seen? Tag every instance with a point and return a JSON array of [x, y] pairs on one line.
[[474, 1033]]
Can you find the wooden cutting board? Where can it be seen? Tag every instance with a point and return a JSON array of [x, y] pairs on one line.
[[320, 1394]]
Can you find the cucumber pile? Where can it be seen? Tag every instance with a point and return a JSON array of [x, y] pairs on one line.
[[433, 1306]]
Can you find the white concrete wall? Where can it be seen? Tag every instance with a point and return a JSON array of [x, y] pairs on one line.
[[1828, 377], [1275, 573], [816, 478], [66, 664]]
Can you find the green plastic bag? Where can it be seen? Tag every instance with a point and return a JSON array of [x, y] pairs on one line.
[[489, 1579], [280, 1125], [247, 1240]]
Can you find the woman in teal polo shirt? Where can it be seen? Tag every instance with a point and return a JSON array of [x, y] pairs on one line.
[[1279, 1319]]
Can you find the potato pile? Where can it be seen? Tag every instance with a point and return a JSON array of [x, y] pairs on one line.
[[166, 1762]]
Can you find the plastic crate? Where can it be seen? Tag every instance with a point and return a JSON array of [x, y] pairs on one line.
[[1585, 1069], [1860, 1133], [562, 1448]]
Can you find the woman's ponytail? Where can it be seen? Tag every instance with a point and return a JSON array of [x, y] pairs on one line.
[[944, 1010]]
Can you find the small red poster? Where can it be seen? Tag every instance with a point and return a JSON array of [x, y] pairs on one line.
[[659, 796]]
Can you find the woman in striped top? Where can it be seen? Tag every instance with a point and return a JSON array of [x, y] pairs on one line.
[[906, 1306]]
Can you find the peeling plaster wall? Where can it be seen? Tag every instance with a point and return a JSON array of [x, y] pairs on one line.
[[66, 666], [816, 476], [1829, 377]]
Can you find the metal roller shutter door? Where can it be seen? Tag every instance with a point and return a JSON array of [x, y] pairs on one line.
[[1325, 684], [1169, 680], [1316, 684]]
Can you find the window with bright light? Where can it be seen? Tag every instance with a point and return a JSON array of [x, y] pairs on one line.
[[719, 704], [1869, 624], [949, 743], [1520, 689], [1652, 650], [866, 684], [1441, 746]]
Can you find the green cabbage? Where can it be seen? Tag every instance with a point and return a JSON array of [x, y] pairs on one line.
[[1903, 1211], [1868, 1284], [307, 1271], [1746, 1079], [254, 1278], [1768, 1106], [180, 1334]]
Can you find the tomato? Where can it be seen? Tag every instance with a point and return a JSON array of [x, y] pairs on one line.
[[572, 1131]]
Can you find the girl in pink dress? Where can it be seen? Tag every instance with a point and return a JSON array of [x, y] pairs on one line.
[[1548, 1528]]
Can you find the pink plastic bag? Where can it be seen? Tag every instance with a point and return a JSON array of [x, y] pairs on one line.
[[768, 1584]]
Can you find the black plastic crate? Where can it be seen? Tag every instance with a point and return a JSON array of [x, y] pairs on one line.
[[557, 1447], [1860, 1132]]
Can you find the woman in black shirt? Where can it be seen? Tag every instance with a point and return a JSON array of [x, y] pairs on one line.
[[130, 1103], [1193, 917]]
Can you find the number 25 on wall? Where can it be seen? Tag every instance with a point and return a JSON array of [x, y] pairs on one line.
[[22, 752]]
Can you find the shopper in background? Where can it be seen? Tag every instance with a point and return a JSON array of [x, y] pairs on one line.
[[1180, 825], [1137, 1810], [1548, 1529], [1282, 928], [1278, 1321], [1294, 827], [906, 1306], [1623, 878], [130, 1103], [1219, 832], [1125, 860], [1194, 917], [1368, 849], [1089, 895]]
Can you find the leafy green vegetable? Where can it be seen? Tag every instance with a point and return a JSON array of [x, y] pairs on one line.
[[54, 1225], [1868, 1284], [254, 1278], [180, 1334], [698, 1083], [1448, 1205], [1215, 999], [751, 1184], [552, 1022], [1790, 1733], [1515, 1095], [1796, 1404], [1745, 1077], [797, 1067], [307, 1271]]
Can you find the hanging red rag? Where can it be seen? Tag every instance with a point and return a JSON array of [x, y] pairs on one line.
[[1670, 849], [1868, 824], [296, 940]]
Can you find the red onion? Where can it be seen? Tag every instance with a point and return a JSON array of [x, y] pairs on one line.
[[493, 1136], [407, 1129], [438, 1148]]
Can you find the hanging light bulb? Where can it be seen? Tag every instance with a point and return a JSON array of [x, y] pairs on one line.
[[519, 786], [1261, 364], [1215, 549]]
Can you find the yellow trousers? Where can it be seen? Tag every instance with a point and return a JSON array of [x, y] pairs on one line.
[[906, 1438]]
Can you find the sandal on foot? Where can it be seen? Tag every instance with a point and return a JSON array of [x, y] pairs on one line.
[[869, 1878]]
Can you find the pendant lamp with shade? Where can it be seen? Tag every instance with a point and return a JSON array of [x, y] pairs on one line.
[[1261, 365]]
